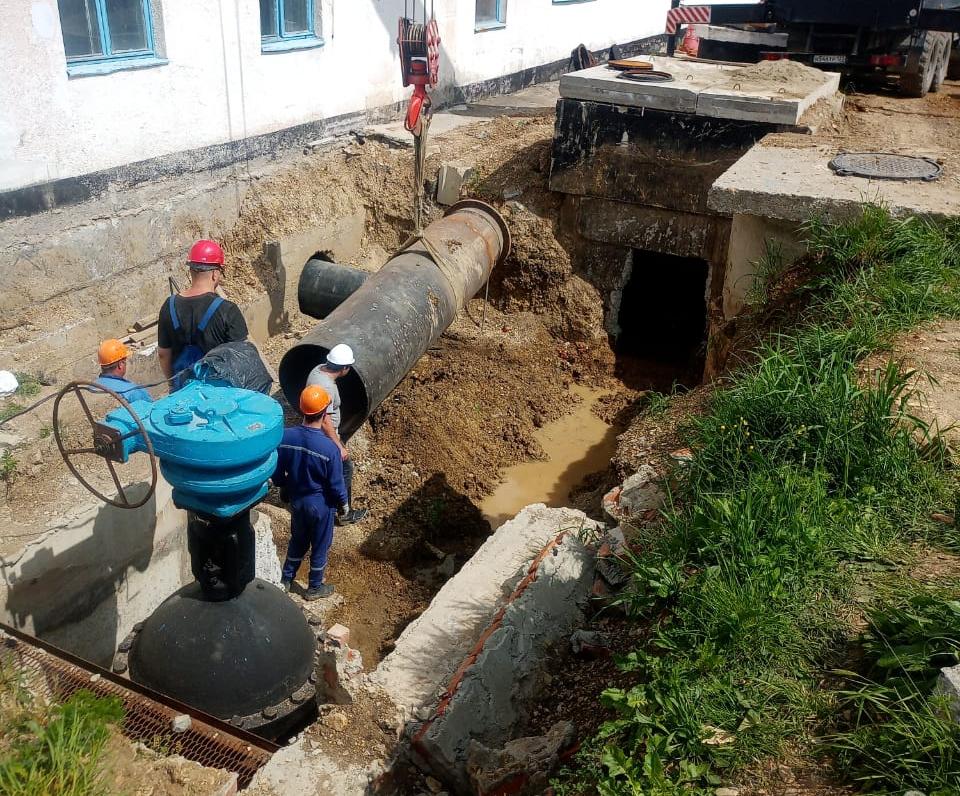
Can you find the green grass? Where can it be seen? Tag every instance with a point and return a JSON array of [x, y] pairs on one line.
[[57, 749], [807, 478], [8, 466]]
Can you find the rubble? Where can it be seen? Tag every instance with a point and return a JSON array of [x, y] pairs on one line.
[[451, 180], [948, 685], [590, 644], [337, 670], [522, 766]]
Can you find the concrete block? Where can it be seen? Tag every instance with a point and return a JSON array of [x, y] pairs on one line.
[[639, 498], [432, 646], [642, 492], [340, 634], [450, 182], [948, 684], [485, 702]]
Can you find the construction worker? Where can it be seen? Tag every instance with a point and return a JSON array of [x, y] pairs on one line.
[[197, 319], [113, 356], [337, 365], [310, 472]]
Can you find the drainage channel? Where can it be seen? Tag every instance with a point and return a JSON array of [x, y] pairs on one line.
[[147, 715]]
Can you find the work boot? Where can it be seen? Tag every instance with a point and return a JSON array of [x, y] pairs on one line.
[[319, 592], [286, 584], [352, 516]]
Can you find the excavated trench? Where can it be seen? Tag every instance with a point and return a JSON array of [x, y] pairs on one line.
[[511, 407]]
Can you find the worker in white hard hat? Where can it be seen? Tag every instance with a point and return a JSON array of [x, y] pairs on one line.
[[338, 362]]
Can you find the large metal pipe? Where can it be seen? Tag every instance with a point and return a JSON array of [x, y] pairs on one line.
[[401, 310], [324, 286]]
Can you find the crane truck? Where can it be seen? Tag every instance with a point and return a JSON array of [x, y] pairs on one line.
[[907, 40]]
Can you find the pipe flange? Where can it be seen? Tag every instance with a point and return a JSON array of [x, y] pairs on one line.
[[476, 204], [280, 710]]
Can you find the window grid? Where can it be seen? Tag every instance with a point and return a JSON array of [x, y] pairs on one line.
[[498, 19], [278, 34], [106, 46]]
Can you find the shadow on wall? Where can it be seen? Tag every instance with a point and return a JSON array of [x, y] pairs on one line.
[[68, 590]]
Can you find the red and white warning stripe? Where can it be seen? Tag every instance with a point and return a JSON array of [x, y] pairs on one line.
[[687, 15]]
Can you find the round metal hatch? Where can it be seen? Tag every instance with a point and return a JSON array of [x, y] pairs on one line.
[[884, 166]]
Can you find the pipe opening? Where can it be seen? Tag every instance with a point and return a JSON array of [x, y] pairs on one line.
[[663, 322], [295, 369]]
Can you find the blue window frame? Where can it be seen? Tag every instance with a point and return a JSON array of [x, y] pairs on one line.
[[287, 24], [491, 14], [97, 31]]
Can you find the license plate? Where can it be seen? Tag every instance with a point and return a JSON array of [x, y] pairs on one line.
[[829, 59]]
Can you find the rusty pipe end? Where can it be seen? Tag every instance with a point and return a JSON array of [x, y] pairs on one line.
[[476, 204]]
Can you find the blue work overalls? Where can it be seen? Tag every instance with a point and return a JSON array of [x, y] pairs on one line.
[[310, 469]]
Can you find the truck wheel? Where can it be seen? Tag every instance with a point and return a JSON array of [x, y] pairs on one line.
[[943, 63], [917, 84], [953, 63]]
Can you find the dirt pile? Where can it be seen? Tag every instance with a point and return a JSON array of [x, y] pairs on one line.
[[781, 77]]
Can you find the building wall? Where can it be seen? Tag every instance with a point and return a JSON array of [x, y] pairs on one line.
[[217, 86]]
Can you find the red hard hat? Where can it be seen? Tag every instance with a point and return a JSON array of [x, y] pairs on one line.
[[206, 252]]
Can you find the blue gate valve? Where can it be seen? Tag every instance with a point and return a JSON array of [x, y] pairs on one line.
[[217, 446]]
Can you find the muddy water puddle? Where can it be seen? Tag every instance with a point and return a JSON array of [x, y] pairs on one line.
[[577, 445]]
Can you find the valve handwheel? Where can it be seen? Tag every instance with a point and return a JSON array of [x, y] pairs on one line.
[[105, 442]]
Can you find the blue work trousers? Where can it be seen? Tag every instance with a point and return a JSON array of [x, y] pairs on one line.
[[311, 528]]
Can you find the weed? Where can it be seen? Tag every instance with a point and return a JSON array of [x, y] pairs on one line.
[[802, 468], [59, 749], [900, 733], [9, 409], [8, 466], [45, 431], [28, 384]]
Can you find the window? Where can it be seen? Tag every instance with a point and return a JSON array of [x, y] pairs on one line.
[[97, 31], [491, 14], [287, 24]]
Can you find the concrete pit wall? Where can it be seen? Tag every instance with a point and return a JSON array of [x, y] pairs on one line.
[[89, 271], [84, 583]]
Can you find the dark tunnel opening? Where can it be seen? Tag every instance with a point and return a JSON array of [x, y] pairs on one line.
[[662, 322]]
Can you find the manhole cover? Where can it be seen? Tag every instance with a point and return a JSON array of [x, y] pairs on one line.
[[880, 166]]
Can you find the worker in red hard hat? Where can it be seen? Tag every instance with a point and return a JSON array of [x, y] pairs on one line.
[[197, 319], [112, 356], [310, 475]]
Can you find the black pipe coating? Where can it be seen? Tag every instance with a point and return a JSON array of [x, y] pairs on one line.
[[400, 310], [324, 286]]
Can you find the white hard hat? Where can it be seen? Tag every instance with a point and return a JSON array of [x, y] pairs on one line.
[[341, 356]]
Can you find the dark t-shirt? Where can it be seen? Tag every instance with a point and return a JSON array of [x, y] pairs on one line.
[[226, 326]]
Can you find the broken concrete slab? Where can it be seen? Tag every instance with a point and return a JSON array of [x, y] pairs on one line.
[[267, 563], [434, 645], [450, 182], [485, 700], [796, 184]]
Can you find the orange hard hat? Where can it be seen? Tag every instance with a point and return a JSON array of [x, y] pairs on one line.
[[111, 352], [314, 399], [205, 255]]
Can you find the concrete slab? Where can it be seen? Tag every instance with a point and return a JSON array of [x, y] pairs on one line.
[[795, 184], [432, 646], [704, 89], [485, 701]]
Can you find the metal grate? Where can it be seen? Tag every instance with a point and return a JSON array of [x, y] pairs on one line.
[[881, 166], [207, 742]]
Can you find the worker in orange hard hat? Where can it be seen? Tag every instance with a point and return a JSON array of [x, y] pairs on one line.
[[113, 357], [310, 472], [197, 319]]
